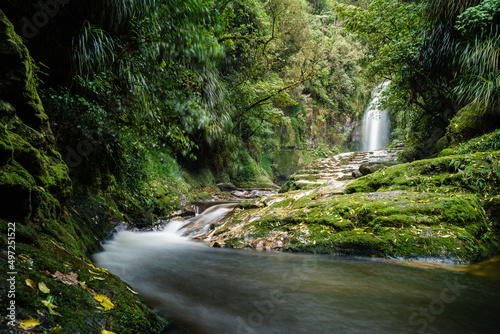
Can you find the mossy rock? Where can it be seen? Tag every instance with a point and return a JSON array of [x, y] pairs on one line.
[[53, 237], [446, 152], [18, 184], [292, 185], [471, 121], [475, 173], [17, 84], [491, 206], [284, 203], [6, 148], [204, 196], [386, 224], [79, 311], [488, 142], [250, 204]]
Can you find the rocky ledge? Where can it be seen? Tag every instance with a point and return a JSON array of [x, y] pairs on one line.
[[338, 171], [445, 208]]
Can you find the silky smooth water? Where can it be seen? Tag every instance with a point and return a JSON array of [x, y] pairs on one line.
[[375, 125], [213, 290]]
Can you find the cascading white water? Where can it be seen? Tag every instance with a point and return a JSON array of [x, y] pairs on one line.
[[375, 124], [202, 222]]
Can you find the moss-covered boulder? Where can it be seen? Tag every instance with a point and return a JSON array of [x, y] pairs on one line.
[[471, 121], [30, 168], [477, 173], [446, 152], [17, 84], [386, 224], [6, 149], [369, 168]]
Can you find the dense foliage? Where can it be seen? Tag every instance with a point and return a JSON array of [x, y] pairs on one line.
[[226, 85], [202, 81]]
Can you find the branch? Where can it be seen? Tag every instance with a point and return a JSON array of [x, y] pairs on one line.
[[239, 117]]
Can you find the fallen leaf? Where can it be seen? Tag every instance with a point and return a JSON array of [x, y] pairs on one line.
[[47, 304], [29, 324], [43, 287], [30, 283], [68, 279], [50, 306], [100, 269], [104, 301], [134, 292], [26, 258]]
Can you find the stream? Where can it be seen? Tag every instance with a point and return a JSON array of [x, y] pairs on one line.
[[214, 290]]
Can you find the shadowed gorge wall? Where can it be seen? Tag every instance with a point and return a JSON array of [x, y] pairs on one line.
[[45, 236]]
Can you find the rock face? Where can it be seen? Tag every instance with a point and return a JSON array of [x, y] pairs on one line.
[[31, 171], [52, 241]]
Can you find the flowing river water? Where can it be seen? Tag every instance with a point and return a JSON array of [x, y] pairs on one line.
[[227, 291]]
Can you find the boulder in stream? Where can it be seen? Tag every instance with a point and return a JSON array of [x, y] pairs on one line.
[[369, 168]]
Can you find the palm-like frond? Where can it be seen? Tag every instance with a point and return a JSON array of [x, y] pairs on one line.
[[482, 56], [449, 10], [93, 50], [480, 81], [484, 91], [124, 10], [115, 15]]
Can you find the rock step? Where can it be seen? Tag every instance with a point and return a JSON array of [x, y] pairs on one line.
[[309, 182]]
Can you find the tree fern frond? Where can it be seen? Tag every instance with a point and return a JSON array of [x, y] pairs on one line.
[[93, 51], [449, 10]]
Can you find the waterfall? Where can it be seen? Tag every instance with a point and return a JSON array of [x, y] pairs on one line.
[[375, 124]]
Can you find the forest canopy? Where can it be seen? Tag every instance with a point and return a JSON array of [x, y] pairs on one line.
[[226, 84]]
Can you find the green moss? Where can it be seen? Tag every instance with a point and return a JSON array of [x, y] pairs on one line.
[[489, 142], [204, 196], [303, 201], [395, 223], [79, 311], [471, 121], [53, 237], [250, 204], [491, 205], [18, 184], [446, 152], [246, 173], [233, 242], [6, 149], [285, 203], [346, 243], [475, 173], [17, 80], [359, 186]]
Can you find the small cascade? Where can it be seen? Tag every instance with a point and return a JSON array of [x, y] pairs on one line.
[[375, 123], [201, 223]]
